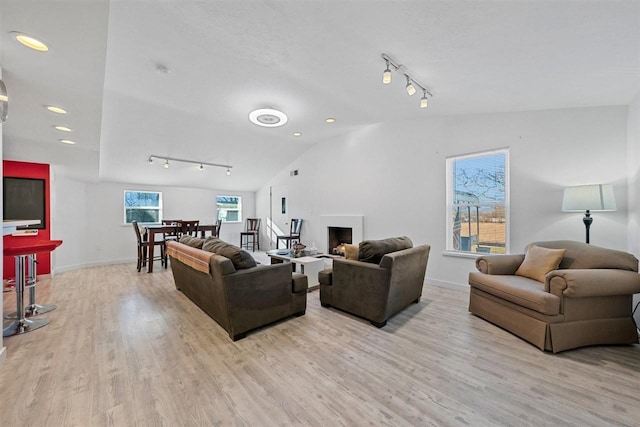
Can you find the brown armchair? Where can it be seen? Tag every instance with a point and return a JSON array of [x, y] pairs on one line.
[[585, 300], [376, 290]]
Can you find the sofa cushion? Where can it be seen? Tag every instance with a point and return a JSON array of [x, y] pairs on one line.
[[539, 261], [194, 242], [240, 258], [373, 250], [519, 290]]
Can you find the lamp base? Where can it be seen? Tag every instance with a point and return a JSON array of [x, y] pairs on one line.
[[587, 223]]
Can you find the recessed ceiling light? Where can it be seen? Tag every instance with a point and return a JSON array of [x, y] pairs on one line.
[[30, 41], [63, 128], [55, 109], [297, 134], [330, 120], [268, 117], [67, 141]]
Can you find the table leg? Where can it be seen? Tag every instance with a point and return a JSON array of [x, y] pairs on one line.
[[152, 239]]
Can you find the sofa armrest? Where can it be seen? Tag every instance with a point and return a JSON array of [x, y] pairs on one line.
[[299, 283], [325, 277], [577, 283], [499, 264]]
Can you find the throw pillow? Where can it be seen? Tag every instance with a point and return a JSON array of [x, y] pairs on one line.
[[351, 252], [240, 258], [539, 261], [373, 250], [194, 242]]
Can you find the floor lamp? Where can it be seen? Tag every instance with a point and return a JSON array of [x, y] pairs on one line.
[[587, 198]]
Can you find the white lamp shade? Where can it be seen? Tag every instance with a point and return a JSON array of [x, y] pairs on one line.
[[597, 197]]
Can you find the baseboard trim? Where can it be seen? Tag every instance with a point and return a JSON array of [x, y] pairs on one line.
[[93, 264]]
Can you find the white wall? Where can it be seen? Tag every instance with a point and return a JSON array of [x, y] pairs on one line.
[[394, 175], [633, 144], [89, 218]]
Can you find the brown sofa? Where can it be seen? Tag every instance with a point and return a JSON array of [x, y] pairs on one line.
[[236, 292], [387, 277], [586, 300]]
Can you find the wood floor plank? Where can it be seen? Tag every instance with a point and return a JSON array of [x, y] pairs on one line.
[[128, 349]]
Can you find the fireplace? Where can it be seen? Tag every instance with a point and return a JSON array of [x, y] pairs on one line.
[[340, 223], [338, 236]]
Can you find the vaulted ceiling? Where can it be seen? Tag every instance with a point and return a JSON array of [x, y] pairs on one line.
[[311, 59]]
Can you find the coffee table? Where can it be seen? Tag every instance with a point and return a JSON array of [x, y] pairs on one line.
[[310, 266]]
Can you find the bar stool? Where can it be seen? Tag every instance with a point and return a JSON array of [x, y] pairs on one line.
[[26, 277]]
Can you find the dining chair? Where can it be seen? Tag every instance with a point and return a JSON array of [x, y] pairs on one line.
[[218, 225], [251, 235], [294, 234], [172, 235], [190, 228], [143, 246]]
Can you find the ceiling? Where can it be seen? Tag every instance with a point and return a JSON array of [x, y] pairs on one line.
[[311, 59]]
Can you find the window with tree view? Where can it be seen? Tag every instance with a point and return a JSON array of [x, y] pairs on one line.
[[477, 202], [142, 206], [229, 208]]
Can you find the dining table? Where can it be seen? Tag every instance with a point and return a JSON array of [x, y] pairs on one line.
[[150, 236]]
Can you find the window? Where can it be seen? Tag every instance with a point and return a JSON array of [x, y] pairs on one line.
[[142, 206], [477, 202], [229, 208]]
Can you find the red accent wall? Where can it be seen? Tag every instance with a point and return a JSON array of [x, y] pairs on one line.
[[29, 170]]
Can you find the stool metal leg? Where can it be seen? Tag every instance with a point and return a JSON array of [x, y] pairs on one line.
[[21, 324], [33, 309]]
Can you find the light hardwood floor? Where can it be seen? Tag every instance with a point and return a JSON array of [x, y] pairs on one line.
[[127, 349]]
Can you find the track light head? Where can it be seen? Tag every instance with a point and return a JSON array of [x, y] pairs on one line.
[[410, 87], [201, 167], [423, 101], [166, 164], [386, 76], [150, 160], [228, 171]]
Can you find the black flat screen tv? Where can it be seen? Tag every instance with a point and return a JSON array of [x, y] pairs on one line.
[[24, 198]]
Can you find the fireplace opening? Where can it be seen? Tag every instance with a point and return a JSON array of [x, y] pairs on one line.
[[338, 237]]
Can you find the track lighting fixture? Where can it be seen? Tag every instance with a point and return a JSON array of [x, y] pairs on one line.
[[412, 83], [386, 76], [195, 162]]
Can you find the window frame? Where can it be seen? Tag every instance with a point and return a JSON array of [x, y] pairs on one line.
[[450, 189], [240, 213], [159, 208]]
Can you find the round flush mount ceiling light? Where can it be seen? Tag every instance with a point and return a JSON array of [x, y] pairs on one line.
[[268, 117]]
